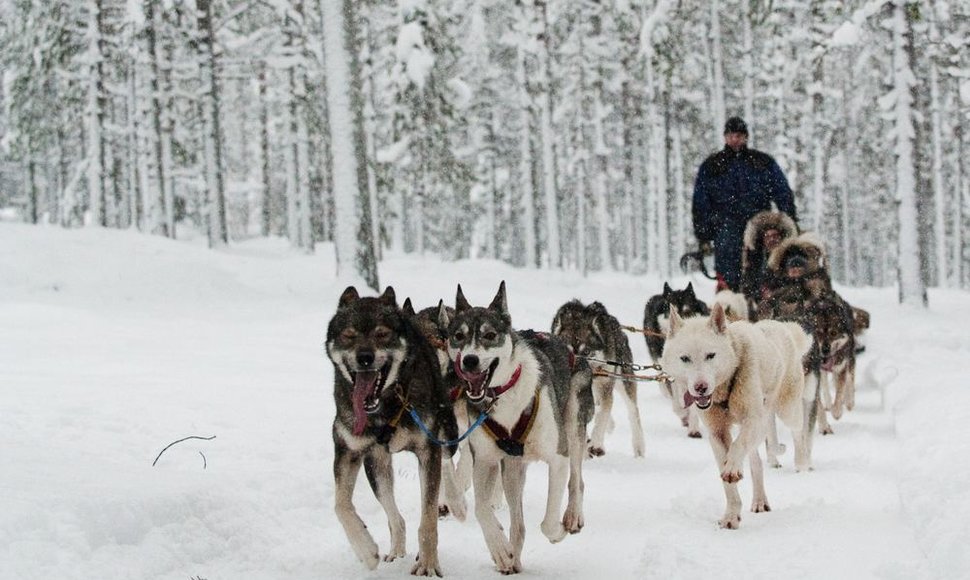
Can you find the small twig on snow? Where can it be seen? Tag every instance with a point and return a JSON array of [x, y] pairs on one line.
[[179, 441]]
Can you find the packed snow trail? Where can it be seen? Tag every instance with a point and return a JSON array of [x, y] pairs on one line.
[[114, 344]]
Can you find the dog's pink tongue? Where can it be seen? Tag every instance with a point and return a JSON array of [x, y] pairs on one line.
[[476, 383], [688, 399], [364, 385]]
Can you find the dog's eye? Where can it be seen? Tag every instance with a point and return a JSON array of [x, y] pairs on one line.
[[709, 356], [685, 359], [490, 335], [382, 333], [348, 334], [458, 336]]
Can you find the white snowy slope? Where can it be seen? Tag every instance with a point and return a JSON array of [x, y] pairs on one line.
[[115, 344]]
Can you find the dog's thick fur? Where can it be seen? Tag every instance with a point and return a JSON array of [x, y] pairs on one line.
[[754, 256], [432, 322], [590, 331], [738, 374], [656, 323], [814, 276], [735, 304], [486, 352], [382, 365]]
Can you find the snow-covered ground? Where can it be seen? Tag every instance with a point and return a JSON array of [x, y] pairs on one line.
[[114, 344]]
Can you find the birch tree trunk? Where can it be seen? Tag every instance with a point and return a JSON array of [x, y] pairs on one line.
[[95, 115], [912, 289], [162, 190], [818, 149], [848, 174], [212, 132], [526, 192], [601, 185], [717, 93], [136, 170], [303, 165], [293, 193], [266, 210], [680, 193], [961, 191], [345, 110], [747, 67], [939, 202], [548, 149]]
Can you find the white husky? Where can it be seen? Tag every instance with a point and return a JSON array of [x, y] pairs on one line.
[[738, 374]]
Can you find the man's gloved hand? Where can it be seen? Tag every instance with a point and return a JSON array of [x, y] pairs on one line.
[[707, 248]]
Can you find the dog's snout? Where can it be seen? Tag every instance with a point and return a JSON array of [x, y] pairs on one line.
[[365, 359], [701, 388], [469, 362]]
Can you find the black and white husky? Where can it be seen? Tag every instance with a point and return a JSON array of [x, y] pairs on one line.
[[384, 369], [536, 410], [591, 331], [656, 323]]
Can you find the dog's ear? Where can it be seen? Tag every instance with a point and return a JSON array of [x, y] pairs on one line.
[[408, 308], [690, 290], [674, 322], [349, 296], [461, 304], [388, 297], [499, 303], [719, 320], [557, 323], [443, 320], [667, 290]]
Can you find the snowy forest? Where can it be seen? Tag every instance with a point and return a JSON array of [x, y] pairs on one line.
[[539, 133]]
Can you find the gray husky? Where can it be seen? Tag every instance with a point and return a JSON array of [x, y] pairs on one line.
[[384, 369], [536, 412], [591, 332]]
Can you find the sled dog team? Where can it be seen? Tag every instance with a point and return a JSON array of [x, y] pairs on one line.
[[432, 381]]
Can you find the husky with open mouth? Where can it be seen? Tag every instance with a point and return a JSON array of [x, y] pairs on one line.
[[537, 410], [740, 373], [385, 369]]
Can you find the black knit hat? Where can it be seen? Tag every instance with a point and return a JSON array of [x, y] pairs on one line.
[[735, 125]]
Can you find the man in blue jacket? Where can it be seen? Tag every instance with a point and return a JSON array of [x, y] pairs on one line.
[[732, 186]]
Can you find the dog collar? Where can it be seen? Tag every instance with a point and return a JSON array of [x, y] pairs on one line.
[[493, 392], [496, 391]]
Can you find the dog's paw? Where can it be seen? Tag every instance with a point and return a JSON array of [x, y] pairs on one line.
[[555, 532], [395, 552], [505, 561], [827, 430], [773, 462], [456, 508], [513, 569], [694, 434], [573, 521], [731, 475], [426, 567], [729, 522], [372, 559], [594, 451], [760, 505], [638, 450]]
